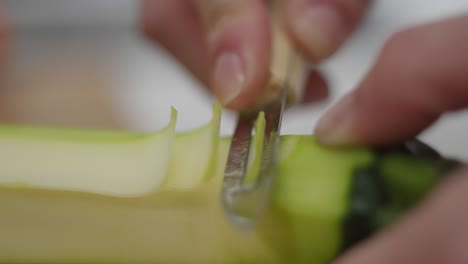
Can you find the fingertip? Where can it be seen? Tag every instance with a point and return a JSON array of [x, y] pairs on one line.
[[228, 77], [239, 49], [240, 66], [336, 126]]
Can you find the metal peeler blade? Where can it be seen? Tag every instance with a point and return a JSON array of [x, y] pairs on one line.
[[245, 204]]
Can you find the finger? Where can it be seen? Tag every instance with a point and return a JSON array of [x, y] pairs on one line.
[[238, 35], [319, 27], [175, 25], [434, 233], [420, 75]]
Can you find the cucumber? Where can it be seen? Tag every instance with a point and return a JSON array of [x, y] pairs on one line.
[[92, 196]]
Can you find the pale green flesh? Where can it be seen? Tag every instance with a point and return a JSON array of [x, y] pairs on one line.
[[70, 198], [166, 227], [127, 166], [311, 197]]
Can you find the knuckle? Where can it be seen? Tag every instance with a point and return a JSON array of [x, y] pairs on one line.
[[145, 27], [215, 12], [150, 23], [352, 11]]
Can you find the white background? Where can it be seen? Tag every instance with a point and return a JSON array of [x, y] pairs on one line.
[[150, 81]]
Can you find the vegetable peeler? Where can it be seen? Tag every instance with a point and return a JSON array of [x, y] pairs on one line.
[[244, 204]]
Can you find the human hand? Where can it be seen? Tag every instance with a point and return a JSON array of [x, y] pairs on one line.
[[226, 44], [420, 75]]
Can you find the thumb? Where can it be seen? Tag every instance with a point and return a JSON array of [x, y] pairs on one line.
[[420, 75]]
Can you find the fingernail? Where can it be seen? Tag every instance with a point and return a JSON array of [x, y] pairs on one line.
[[335, 126], [319, 27], [229, 77]]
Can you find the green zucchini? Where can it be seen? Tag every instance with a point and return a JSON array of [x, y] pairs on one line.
[[91, 196]]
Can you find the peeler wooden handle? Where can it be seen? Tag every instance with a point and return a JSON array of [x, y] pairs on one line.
[[287, 66]]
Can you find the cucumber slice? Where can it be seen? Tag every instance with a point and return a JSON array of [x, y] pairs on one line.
[[185, 172], [112, 163]]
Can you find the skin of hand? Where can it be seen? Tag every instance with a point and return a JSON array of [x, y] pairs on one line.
[[4, 40], [420, 75], [226, 44]]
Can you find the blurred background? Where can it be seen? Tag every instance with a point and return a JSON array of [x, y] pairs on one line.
[[84, 63]]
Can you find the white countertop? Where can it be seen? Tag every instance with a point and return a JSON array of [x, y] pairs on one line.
[[150, 81]]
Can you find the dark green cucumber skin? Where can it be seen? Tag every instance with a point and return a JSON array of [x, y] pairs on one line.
[[370, 198]]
